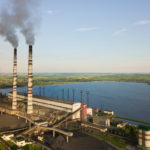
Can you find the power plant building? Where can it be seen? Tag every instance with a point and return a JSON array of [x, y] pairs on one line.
[[57, 104]]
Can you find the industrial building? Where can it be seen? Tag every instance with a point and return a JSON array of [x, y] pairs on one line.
[[101, 120], [144, 136], [52, 103], [45, 102], [108, 112]]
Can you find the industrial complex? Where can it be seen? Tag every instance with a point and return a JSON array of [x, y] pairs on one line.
[[57, 104], [45, 115]]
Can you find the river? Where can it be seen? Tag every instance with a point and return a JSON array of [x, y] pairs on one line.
[[124, 98]]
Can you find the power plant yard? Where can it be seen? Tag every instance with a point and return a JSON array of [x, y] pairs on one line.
[[9, 122], [89, 89], [60, 124], [79, 141], [47, 127]]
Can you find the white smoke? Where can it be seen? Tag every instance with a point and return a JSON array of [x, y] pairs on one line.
[[20, 15]]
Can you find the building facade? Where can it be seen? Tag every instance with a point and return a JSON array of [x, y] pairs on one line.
[[57, 104]]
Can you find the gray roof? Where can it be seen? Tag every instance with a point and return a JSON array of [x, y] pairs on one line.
[[51, 99]]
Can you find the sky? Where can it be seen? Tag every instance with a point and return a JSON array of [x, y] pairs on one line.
[[106, 36]]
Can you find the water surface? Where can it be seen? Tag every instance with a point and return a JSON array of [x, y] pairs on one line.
[[124, 98]]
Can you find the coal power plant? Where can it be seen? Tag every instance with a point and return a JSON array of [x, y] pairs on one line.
[[14, 99], [45, 102]]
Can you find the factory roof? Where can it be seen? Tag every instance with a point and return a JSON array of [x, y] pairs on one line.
[[51, 99], [145, 128]]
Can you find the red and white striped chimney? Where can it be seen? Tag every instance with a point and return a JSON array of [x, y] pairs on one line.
[[29, 103], [14, 100]]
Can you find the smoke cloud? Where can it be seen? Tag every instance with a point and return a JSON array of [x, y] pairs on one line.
[[20, 16], [26, 18], [8, 29]]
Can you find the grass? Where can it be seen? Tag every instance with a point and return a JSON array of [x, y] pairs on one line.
[[31, 147], [12, 145], [112, 139], [130, 119], [27, 147], [2, 147]]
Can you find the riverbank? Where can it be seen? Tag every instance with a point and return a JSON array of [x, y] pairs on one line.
[[70, 78], [130, 119]]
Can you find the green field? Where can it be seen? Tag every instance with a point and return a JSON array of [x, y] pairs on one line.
[[2, 147], [114, 140], [66, 78]]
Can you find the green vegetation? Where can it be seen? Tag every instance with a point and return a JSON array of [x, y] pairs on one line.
[[50, 79], [129, 131], [31, 147], [121, 143], [2, 95], [115, 122], [130, 119], [114, 139], [2, 147], [27, 147], [12, 145]]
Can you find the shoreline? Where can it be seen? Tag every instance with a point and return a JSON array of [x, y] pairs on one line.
[[130, 119], [62, 83]]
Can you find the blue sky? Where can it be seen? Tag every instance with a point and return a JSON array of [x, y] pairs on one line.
[[86, 36]]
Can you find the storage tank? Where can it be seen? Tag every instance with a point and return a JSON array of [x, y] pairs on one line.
[[140, 136], [144, 136]]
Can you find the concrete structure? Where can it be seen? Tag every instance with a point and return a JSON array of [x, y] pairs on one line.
[[29, 103], [109, 112], [101, 120], [40, 138], [89, 112], [121, 125], [95, 110], [83, 112], [93, 126], [57, 104], [144, 136], [7, 137], [14, 101], [20, 142], [66, 133]]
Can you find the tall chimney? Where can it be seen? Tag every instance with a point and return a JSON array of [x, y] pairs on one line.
[[29, 104], [14, 101]]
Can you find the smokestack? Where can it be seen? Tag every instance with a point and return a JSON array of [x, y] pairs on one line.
[[29, 105], [14, 102]]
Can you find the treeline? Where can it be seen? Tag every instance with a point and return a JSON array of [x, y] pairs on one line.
[[48, 79]]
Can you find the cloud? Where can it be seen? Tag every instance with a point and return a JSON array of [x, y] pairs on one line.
[[50, 12], [86, 29], [119, 31], [143, 22]]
